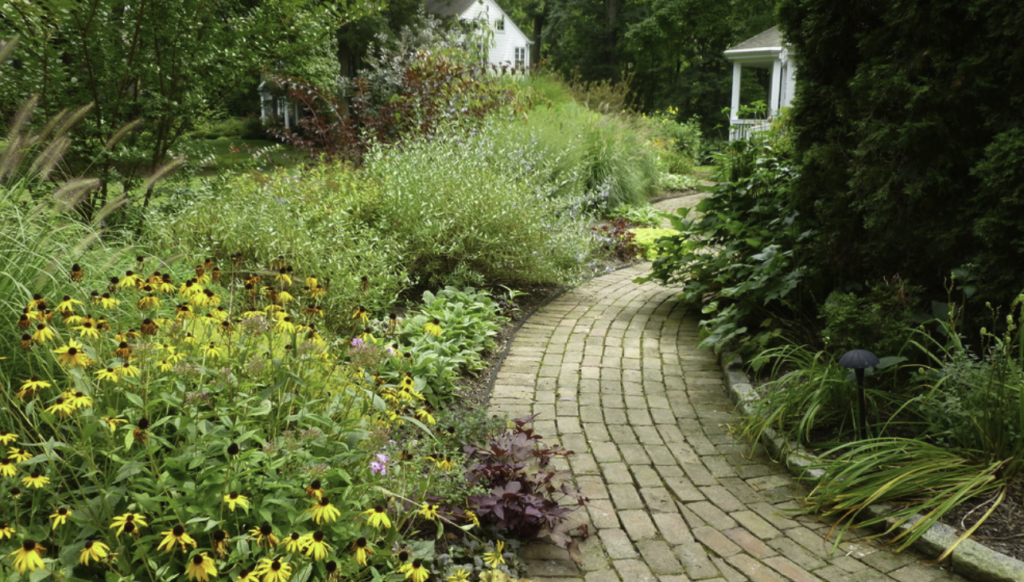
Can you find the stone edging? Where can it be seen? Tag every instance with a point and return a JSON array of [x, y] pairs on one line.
[[969, 559]]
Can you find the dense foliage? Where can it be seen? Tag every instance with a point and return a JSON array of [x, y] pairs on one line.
[[908, 126]]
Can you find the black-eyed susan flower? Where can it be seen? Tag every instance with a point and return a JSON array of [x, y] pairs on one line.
[[361, 315], [459, 574], [274, 570], [67, 304], [7, 438], [429, 511], [331, 569], [76, 273], [28, 558], [282, 296], [24, 321], [123, 351], [127, 370], [77, 399], [190, 339], [315, 489], [26, 342], [6, 532], [496, 557], [362, 550], [472, 518], [377, 517], [247, 576], [7, 468], [108, 302], [285, 325], [107, 375], [219, 542], [112, 422], [141, 432], [72, 355], [31, 387], [61, 408], [415, 571], [316, 548], [235, 499], [122, 521], [215, 274], [94, 551], [131, 279], [201, 567], [149, 327], [213, 352], [164, 366], [294, 543], [433, 327], [102, 324], [60, 517], [43, 333], [424, 416], [176, 536], [18, 455], [36, 479], [37, 302], [283, 278], [324, 511], [87, 330], [264, 535]]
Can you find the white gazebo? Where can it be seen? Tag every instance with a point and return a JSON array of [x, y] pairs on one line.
[[763, 51]]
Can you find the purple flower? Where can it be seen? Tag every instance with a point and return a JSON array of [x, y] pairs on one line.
[[356, 342], [380, 466]]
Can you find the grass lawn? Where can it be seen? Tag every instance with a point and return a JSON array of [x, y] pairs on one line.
[[236, 153]]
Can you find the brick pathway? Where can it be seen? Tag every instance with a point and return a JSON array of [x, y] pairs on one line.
[[613, 370]]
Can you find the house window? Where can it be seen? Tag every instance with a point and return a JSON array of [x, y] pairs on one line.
[[499, 24], [520, 56]]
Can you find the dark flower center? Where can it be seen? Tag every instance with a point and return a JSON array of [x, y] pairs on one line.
[[219, 536], [129, 527], [197, 560], [28, 545], [275, 566], [331, 566], [178, 531], [378, 509], [88, 545], [295, 537], [62, 511], [129, 518], [266, 530], [72, 352], [361, 542], [143, 423], [417, 563], [318, 536], [315, 484], [233, 495], [403, 556], [233, 449], [324, 502]]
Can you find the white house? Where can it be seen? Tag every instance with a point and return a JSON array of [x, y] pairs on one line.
[[509, 45], [764, 51]]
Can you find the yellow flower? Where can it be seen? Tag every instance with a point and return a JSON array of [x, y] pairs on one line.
[[433, 327], [324, 511], [7, 468], [458, 575], [235, 500], [87, 330], [315, 489], [425, 416], [72, 355], [274, 570], [31, 387], [7, 438], [164, 366], [377, 517], [43, 333], [416, 571], [175, 535], [112, 422], [221, 541], [18, 455], [443, 463], [495, 558], [362, 315], [285, 325], [60, 517], [108, 302], [472, 518], [67, 304], [77, 399], [6, 532], [429, 511], [200, 568], [107, 375], [61, 407], [148, 301], [264, 535], [316, 547], [283, 278], [28, 558], [247, 576], [362, 550], [136, 519], [95, 551], [127, 370], [36, 480], [294, 543], [130, 280]]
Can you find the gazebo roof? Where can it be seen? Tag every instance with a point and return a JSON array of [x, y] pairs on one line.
[[759, 50], [448, 7], [769, 39]]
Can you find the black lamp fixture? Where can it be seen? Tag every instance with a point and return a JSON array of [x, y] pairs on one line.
[[858, 361]]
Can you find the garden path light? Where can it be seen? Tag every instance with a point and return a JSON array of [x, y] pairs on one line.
[[858, 360]]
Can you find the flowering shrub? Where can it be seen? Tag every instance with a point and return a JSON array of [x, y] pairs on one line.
[[157, 427]]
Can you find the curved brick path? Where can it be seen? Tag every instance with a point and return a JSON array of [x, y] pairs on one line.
[[612, 369]]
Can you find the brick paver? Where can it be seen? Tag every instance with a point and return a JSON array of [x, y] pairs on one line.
[[613, 369]]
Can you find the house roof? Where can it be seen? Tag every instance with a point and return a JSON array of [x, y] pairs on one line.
[[448, 7], [769, 39]]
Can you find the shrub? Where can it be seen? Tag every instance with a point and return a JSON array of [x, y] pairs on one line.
[[459, 221], [877, 322], [306, 217], [679, 144], [642, 216], [616, 239], [647, 239]]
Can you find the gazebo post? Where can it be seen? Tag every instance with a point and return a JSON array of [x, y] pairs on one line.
[[737, 75], [773, 103]]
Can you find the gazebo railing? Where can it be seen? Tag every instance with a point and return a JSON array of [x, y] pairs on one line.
[[744, 128]]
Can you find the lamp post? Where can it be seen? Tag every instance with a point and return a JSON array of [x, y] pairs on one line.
[[858, 360]]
